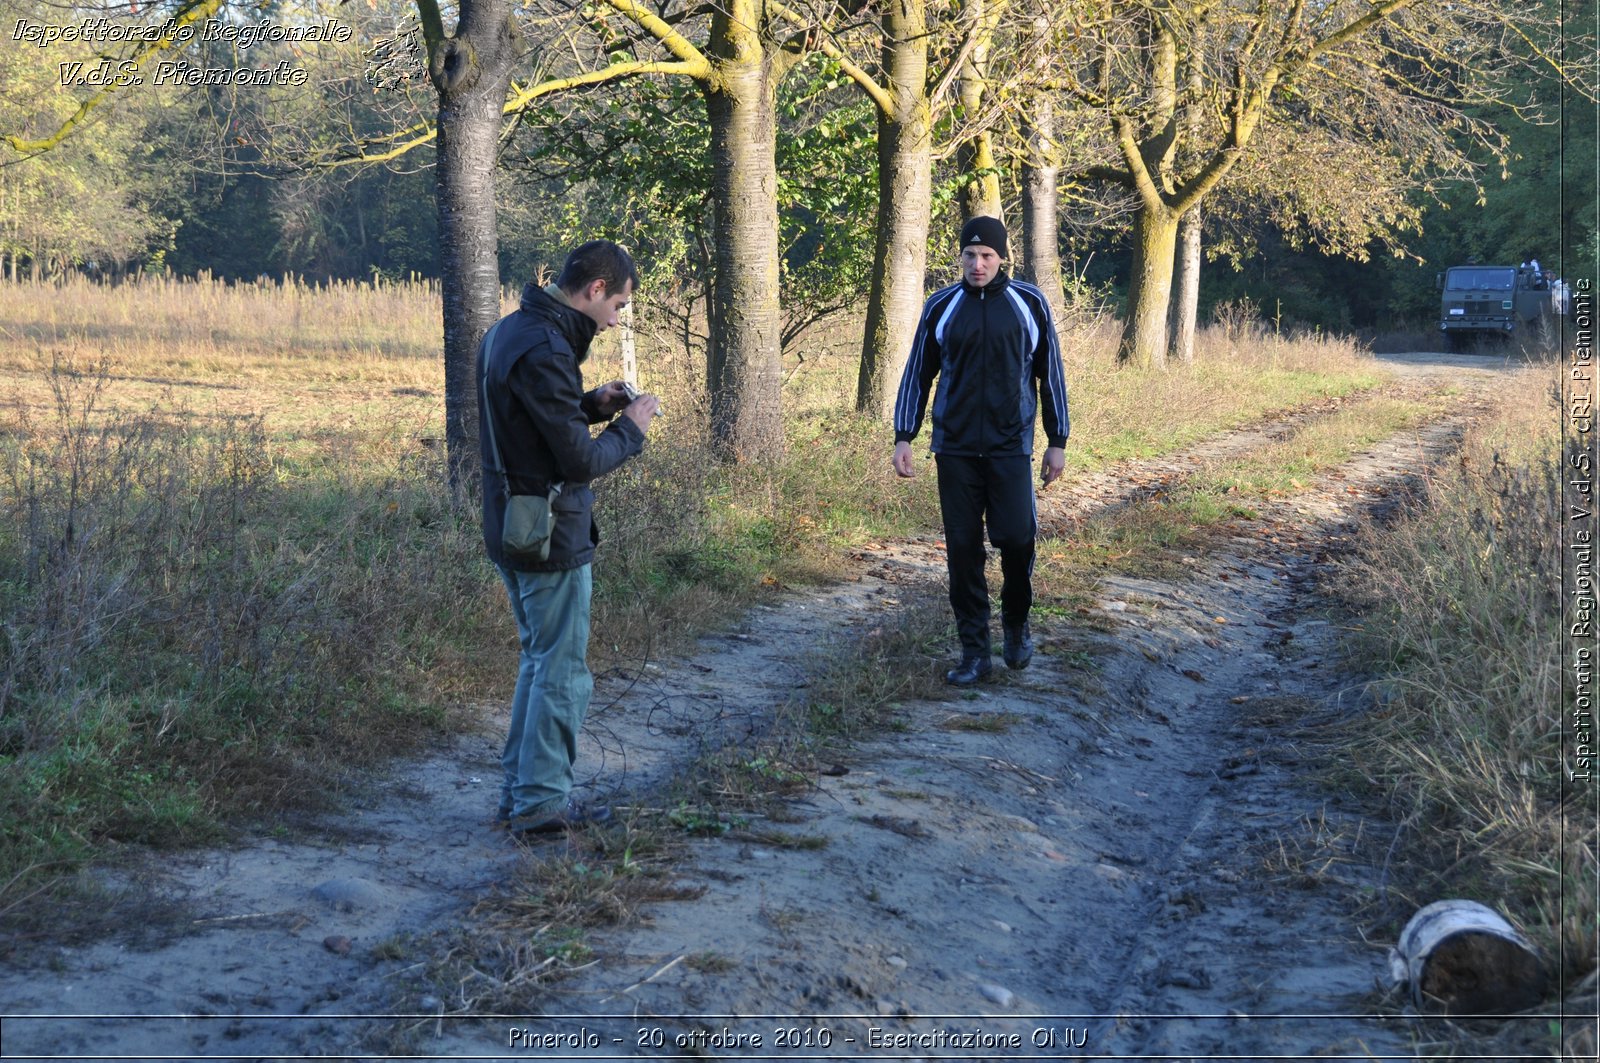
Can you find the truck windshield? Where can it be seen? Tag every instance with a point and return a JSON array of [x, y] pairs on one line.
[[1496, 278]]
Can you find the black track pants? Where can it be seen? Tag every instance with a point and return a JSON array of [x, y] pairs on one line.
[[999, 491]]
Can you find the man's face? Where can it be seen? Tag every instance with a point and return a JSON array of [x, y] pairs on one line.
[[601, 306], [979, 264]]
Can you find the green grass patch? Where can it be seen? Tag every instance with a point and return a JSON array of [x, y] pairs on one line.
[[600, 880], [1142, 539], [853, 689], [779, 839], [721, 786], [855, 685], [1150, 537], [1321, 444], [711, 963], [703, 820], [981, 722], [1123, 414]]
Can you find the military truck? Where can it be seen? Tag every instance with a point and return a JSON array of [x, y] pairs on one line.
[[1504, 301]]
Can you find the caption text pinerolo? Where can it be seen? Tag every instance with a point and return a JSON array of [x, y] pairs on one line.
[[814, 1038]]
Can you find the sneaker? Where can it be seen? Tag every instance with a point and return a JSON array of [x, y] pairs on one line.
[[970, 671], [575, 815], [1018, 650]]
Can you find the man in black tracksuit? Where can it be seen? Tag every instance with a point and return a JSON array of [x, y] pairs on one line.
[[992, 343]]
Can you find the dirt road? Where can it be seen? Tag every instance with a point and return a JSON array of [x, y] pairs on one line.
[[1117, 853]]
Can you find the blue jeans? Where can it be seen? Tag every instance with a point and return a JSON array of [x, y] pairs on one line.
[[553, 688]]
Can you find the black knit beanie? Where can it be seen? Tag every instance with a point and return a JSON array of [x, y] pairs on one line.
[[986, 231]]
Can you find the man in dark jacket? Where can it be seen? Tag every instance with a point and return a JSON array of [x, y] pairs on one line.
[[992, 343], [534, 419]]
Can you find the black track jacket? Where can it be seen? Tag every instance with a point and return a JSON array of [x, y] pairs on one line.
[[541, 421], [987, 346]]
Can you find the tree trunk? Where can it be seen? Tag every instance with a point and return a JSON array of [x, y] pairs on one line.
[[471, 72], [745, 367], [1155, 239], [1041, 254], [975, 156], [900, 259], [1186, 287], [905, 199], [981, 196]]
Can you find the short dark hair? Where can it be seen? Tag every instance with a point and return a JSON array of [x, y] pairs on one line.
[[598, 260]]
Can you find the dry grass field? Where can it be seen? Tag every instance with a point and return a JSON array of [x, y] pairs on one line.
[[230, 573]]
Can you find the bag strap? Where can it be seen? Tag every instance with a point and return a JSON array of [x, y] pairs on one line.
[[488, 414], [488, 408]]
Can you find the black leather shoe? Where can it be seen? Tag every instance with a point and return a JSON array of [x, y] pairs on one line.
[[1018, 649], [971, 671]]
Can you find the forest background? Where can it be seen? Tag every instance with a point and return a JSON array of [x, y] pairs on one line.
[[1318, 227]]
